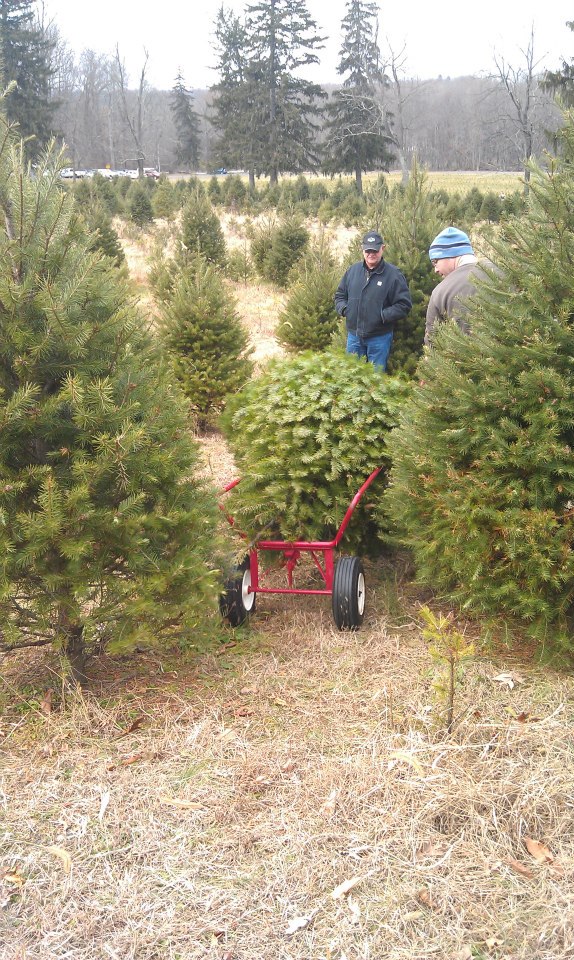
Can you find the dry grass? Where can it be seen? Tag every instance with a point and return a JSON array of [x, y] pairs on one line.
[[210, 808]]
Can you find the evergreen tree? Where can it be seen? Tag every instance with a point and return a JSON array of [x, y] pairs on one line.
[[186, 123], [276, 249], [302, 465], [234, 97], [139, 206], [357, 136], [309, 319], [483, 476], [282, 39], [107, 530], [201, 230], [26, 70], [409, 223], [104, 237], [204, 338], [561, 82]]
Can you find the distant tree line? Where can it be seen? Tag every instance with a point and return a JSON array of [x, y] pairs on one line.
[[262, 115]]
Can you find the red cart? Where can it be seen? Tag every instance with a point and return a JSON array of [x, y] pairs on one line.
[[344, 579]]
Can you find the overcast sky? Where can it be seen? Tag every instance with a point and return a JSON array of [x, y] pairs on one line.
[[440, 39]]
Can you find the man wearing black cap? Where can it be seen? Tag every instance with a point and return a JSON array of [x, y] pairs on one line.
[[372, 296]]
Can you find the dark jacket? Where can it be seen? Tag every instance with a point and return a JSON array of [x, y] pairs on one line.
[[372, 301]]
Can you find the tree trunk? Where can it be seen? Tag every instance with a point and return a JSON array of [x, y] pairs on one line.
[[359, 181], [73, 647]]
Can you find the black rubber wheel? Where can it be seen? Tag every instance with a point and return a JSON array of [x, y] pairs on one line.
[[349, 593], [235, 601]]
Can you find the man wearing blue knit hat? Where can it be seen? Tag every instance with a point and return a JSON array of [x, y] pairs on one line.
[[452, 257]]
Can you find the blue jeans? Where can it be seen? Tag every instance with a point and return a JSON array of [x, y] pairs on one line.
[[375, 349]]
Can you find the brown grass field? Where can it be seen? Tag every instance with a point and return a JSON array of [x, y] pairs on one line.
[[290, 794]]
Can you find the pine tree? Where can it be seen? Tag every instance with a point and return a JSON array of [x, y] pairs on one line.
[[107, 529], [357, 130], [26, 70], [186, 123], [409, 223], [483, 479], [203, 336]]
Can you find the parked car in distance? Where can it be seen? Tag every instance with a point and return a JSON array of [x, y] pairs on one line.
[[220, 170], [151, 172]]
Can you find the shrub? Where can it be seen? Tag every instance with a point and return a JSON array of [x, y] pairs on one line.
[[302, 466], [483, 480]]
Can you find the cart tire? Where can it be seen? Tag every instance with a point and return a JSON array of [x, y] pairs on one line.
[[349, 593], [235, 601]]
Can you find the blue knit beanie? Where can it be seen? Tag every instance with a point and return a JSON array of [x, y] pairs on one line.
[[451, 242]]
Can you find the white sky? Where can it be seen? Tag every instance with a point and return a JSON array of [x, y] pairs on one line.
[[441, 38]]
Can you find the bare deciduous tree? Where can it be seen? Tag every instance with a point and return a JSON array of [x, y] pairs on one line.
[[521, 85]]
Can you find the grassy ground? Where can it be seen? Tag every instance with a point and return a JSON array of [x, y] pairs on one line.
[[291, 795]]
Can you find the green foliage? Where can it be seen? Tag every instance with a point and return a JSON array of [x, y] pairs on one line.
[[301, 466], [139, 205], [450, 651], [356, 132], [276, 249], [107, 530], [186, 122], [234, 192], [201, 229], [165, 202], [491, 207], [26, 72], [204, 338], [309, 318], [483, 478], [409, 225], [561, 82], [104, 237], [239, 266]]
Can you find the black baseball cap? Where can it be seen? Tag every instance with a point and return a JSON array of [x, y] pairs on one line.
[[372, 241]]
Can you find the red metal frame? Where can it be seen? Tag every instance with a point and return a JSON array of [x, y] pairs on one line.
[[322, 551]]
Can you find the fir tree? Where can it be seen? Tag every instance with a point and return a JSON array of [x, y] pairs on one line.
[[204, 338], [309, 319], [282, 40], [483, 480], [26, 72], [357, 131], [234, 97], [107, 530], [139, 206], [301, 466], [201, 230], [186, 123]]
